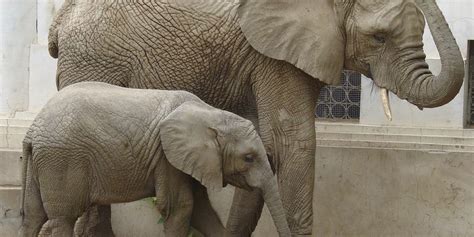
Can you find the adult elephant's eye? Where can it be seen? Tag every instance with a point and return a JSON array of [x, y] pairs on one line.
[[249, 158], [379, 38]]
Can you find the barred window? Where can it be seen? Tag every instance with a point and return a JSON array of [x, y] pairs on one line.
[[340, 102]]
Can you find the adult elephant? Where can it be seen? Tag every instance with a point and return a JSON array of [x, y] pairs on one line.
[[262, 59]]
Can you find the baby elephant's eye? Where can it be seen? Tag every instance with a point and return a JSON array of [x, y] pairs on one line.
[[249, 158]]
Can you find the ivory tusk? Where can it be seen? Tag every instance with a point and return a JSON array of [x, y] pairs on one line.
[[386, 103]]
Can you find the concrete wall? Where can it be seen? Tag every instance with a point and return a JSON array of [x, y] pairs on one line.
[[42, 82], [17, 32], [372, 192], [46, 10], [27, 71], [42, 77], [460, 16]]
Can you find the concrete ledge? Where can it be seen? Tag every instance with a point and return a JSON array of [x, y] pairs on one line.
[[12, 132], [401, 138], [420, 139], [413, 146], [324, 126]]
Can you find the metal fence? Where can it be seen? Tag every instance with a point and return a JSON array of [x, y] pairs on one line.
[[471, 82], [340, 102]]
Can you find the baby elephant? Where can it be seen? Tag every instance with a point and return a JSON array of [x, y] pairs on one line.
[[97, 144]]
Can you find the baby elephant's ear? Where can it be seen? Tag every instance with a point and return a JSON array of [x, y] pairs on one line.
[[190, 142]]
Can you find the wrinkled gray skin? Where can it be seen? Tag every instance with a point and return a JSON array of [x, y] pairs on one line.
[[264, 60], [95, 143]]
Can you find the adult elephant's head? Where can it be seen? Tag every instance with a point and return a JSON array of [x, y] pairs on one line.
[[379, 38], [217, 147]]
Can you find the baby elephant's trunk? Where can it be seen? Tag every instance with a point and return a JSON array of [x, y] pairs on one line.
[[272, 198]]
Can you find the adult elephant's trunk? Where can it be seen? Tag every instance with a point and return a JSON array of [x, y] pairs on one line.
[[428, 90], [272, 198]]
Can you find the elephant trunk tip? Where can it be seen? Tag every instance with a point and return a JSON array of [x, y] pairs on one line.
[[272, 198]]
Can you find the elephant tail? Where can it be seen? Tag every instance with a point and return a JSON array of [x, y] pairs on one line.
[[27, 154], [53, 34], [53, 43]]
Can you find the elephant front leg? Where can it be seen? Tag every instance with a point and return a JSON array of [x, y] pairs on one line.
[[291, 139], [294, 158], [96, 221], [178, 223], [286, 100], [104, 227], [58, 227], [204, 218], [174, 199]]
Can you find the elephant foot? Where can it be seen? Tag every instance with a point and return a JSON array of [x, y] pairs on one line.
[[100, 229], [103, 233], [92, 224], [240, 235], [235, 235]]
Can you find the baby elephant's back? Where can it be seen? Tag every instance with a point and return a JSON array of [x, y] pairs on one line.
[[104, 111]]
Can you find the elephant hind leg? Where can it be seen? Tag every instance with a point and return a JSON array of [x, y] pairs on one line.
[[34, 215], [95, 222], [58, 227], [65, 194], [62, 216]]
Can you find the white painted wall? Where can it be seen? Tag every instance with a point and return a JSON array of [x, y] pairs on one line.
[[42, 82], [460, 16], [27, 71], [17, 32], [46, 11]]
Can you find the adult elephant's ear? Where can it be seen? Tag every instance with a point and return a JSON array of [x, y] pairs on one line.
[[190, 143], [304, 33]]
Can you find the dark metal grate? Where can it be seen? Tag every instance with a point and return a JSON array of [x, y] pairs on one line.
[[471, 82], [340, 102]]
